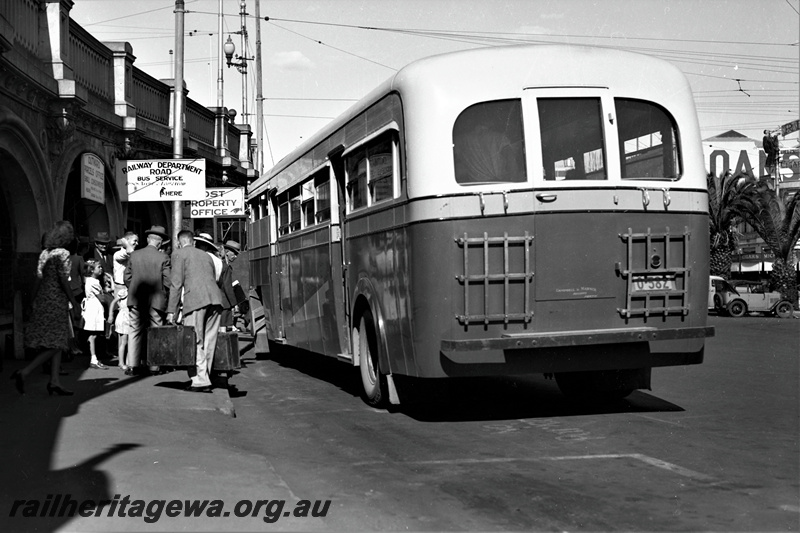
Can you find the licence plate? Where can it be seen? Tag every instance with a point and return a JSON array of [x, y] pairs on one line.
[[653, 282]]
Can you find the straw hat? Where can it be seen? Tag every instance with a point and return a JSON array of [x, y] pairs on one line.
[[233, 246], [205, 239]]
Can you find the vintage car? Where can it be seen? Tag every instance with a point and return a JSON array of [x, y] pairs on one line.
[[715, 284], [737, 298]]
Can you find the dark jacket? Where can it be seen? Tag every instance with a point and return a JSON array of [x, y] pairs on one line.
[[226, 287], [106, 260], [147, 278]]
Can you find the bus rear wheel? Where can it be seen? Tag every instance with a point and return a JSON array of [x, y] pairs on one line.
[[596, 386], [366, 347]]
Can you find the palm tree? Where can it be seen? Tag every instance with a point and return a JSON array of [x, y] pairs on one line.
[[729, 198], [777, 222]]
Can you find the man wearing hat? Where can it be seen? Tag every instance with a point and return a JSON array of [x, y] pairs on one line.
[[231, 251], [205, 242], [100, 251], [194, 277], [147, 277]]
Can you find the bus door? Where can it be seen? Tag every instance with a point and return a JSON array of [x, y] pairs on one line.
[[571, 134], [339, 259]]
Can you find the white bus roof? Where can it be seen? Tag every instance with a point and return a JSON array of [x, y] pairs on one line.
[[464, 77]]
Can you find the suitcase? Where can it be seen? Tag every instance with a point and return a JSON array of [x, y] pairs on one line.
[[226, 355], [171, 346]]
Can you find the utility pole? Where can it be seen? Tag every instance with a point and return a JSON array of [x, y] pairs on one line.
[[259, 97], [177, 118], [220, 121], [243, 70]]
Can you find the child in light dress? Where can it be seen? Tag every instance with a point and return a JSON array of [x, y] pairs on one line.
[[122, 325], [92, 309]]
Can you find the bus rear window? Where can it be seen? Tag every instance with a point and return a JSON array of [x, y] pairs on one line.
[[573, 146], [648, 141], [489, 144]]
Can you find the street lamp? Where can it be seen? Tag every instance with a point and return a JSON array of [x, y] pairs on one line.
[[241, 65]]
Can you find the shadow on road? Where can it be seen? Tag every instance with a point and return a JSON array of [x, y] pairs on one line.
[[478, 399], [466, 399], [32, 423]]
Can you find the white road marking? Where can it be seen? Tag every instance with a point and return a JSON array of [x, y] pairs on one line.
[[652, 461], [658, 463], [660, 420], [322, 412]]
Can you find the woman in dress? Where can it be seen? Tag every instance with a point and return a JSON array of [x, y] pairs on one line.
[[49, 328]]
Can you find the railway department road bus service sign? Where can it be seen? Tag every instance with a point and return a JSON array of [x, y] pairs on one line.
[[218, 202], [164, 180]]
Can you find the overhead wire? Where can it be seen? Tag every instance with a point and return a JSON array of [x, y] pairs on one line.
[[743, 62]]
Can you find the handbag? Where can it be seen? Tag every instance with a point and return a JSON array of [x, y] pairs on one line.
[[81, 322]]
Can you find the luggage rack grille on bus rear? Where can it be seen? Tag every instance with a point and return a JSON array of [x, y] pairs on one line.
[[486, 278], [657, 301]]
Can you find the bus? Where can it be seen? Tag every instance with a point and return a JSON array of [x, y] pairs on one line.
[[535, 209]]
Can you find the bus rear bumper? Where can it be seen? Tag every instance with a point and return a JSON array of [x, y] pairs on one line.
[[573, 351], [576, 338]]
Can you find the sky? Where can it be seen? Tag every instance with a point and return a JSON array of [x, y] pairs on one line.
[[741, 57]]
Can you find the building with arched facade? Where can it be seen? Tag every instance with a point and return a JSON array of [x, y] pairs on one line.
[[64, 94]]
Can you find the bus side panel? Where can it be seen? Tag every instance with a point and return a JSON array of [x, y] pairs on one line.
[[308, 296], [380, 256], [334, 316], [261, 279]]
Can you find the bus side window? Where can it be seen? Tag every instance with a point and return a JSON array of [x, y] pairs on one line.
[[489, 144], [648, 141], [357, 179], [323, 198], [381, 172], [289, 211], [283, 215], [573, 146], [307, 206], [371, 172]]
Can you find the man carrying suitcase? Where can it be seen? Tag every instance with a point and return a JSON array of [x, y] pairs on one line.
[[147, 276], [194, 277]]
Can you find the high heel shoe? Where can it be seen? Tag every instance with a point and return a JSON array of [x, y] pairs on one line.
[[19, 381], [55, 389]]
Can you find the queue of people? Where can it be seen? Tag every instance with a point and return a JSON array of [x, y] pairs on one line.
[[81, 302]]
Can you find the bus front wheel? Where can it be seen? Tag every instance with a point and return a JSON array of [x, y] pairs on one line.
[[366, 346]]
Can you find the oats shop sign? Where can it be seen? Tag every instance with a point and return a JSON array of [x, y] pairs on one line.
[[163, 180]]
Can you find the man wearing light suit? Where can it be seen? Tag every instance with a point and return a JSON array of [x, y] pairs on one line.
[[147, 278], [194, 276]]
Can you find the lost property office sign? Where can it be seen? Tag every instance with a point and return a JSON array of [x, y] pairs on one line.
[[164, 180], [219, 202]]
